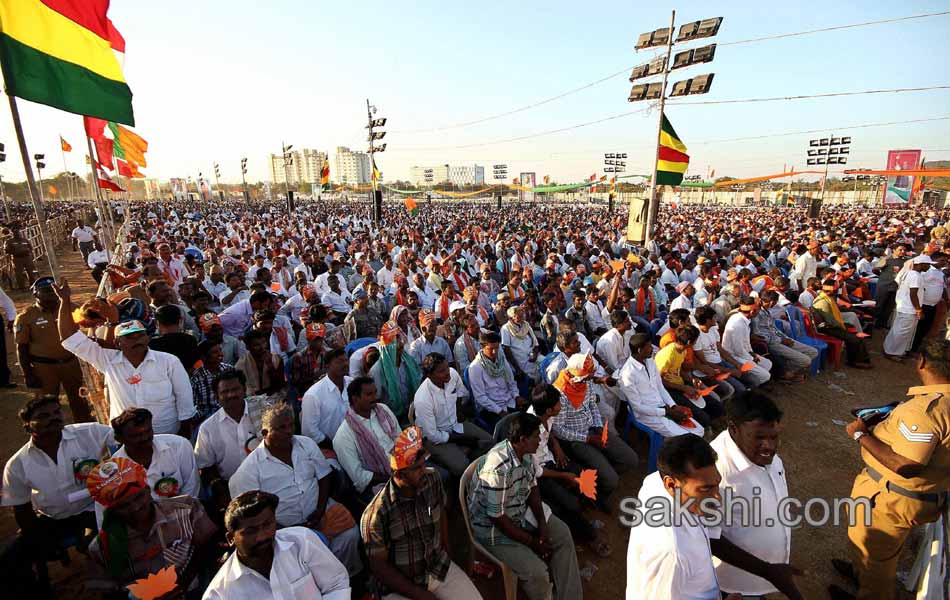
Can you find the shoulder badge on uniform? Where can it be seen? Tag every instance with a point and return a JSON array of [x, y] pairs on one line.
[[911, 434]]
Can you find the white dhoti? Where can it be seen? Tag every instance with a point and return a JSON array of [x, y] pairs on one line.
[[667, 428], [901, 335], [759, 374]]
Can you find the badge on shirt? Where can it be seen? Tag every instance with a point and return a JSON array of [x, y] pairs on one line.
[[167, 487], [41, 321], [135, 379], [82, 468]]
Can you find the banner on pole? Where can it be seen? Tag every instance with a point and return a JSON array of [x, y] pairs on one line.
[[899, 189]]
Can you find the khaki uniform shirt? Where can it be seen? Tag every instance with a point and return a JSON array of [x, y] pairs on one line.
[[38, 328], [918, 429]]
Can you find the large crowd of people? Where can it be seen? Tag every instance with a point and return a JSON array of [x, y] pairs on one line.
[[299, 404]]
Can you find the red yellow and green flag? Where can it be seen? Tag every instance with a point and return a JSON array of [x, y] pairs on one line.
[[671, 158], [411, 206], [62, 53], [325, 174]]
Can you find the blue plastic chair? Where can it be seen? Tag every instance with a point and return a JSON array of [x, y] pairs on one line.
[[545, 363], [357, 344], [796, 324], [656, 440]]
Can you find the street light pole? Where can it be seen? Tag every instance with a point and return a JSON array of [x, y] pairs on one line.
[[653, 209]]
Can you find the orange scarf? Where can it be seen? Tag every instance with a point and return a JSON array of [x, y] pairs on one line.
[[642, 303], [574, 392]]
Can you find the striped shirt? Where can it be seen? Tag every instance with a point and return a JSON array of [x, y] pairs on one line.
[[500, 486], [574, 424], [407, 530]]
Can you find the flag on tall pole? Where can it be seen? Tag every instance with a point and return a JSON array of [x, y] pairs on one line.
[[376, 175], [411, 206], [64, 145], [62, 53], [671, 158], [105, 181]]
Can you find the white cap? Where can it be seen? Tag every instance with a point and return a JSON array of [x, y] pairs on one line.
[[923, 259]]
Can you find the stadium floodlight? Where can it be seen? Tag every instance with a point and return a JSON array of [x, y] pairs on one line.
[[813, 143], [846, 140], [624, 155], [645, 91], [812, 153], [812, 162], [699, 29], [652, 39], [833, 150], [822, 151], [693, 86], [608, 155], [844, 150], [823, 142], [653, 67], [608, 169], [695, 56]]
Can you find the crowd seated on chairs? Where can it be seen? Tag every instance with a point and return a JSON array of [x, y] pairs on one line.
[[396, 378]]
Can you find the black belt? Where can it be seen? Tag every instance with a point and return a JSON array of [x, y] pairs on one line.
[[51, 361], [934, 497]]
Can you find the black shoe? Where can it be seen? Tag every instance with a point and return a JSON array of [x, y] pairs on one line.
[[837, 593], [846, 570]]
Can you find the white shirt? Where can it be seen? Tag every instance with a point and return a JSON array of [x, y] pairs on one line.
[[669, 562], [347, 451], [7, 306], [910, 280], [297, 486], [435, 408], [338, 301], [83, 234], [384, 277], [215, 289], [303, 567], [239, 297], [771, 544], [173, 471], [224, 442], [614, 348], [682, 301], [356, 360], [933, 282], [807, 298], [159, 383], [736, 338], [594, 316], [322, 409], [642, 386], [30, 474], [806, 267], [707, 344], [323, 287], [96, 257]]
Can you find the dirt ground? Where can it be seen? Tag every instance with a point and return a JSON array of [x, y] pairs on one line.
[[820, 459]]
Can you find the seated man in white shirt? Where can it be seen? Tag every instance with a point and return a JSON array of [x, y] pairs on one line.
[[269, 562], [452, 444], [808, 295], [325, 404], [642, 387], [612, 347], [752, 470], [676, 560], [293, 468], [225, 437], [39, 488], [337, 298], [737, 341], [134, 375], [365, 437], [494, 389]]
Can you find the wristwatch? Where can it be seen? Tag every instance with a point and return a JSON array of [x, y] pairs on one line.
[[858, 435]]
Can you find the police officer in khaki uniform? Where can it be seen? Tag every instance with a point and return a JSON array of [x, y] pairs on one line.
[[46, 365], [906, 476]]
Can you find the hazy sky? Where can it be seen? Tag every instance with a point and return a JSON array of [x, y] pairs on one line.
[[216, 81]]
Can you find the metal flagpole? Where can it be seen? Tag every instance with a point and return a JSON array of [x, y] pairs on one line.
[[34, 193], [69, 183], [654, 198], [107, 235]]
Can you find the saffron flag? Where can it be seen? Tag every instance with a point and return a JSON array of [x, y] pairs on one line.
[[671, 158], [603, 178], [65, 145], [376, 175], [62, 53], [547, 179], [128, 145], [52, 190], [411, 206], [325, 174]]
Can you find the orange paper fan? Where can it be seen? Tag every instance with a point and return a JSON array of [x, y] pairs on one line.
[[722, 376], [603, 436], [155, 585], [588, 483], [747, 367], [706, 391]]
